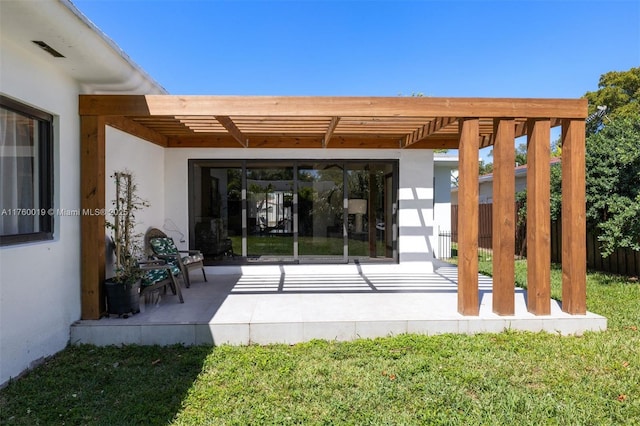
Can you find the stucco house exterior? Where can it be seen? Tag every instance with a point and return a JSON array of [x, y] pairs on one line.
[[51, 54], [331, 180], [40, 267]]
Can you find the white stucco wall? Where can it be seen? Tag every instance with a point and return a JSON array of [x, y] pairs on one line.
[[415, 216], [145, 161], [40, 281], [442, 204]]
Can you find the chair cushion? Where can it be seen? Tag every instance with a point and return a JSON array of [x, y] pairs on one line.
[[197, 257], [153, 276], [163, 246]]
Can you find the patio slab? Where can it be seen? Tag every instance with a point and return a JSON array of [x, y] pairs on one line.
[[296, 303]]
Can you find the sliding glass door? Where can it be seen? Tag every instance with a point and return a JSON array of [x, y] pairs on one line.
[[293, 211]]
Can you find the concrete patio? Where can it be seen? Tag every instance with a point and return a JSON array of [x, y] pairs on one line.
[[294, 303]]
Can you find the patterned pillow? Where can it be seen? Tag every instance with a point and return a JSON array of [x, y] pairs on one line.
[[153, 276], [163, 246], [192, 258]]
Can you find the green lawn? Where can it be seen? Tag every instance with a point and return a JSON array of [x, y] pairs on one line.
[[308, 246], [513, 378]]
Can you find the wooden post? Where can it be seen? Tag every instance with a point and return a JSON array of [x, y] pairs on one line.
[[468, 217], [538, 217], [92, 203], [574, 258], [504, 233]]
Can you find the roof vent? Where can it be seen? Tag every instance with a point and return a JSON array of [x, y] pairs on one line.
[[53, 52]]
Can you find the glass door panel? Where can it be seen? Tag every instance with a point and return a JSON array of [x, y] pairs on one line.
[[216, 212], [370, 219], [269, 212], [320, 211]]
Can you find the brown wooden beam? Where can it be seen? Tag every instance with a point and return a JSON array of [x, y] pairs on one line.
[[203, 141], [427, 130], [468, 222], [538, 217], [503, 217], [143, 105], [574, 268], [226, 141], [233, 130], [136, 129], [486, 140], [332, 127], [92, 190], [436, 143]]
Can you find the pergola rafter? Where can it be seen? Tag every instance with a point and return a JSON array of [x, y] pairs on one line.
[[467, 124], [233, 130]]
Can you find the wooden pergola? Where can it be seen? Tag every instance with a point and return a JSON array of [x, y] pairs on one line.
[[466, 124]]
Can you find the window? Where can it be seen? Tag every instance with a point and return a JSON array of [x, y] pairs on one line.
[[26, 173]]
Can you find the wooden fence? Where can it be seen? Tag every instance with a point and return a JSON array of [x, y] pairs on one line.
[[621, 261]]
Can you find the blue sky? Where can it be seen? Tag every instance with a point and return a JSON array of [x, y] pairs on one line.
[[551, 49], [453, 48]]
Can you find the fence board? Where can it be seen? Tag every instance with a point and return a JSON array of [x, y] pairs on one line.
[[622, 261]]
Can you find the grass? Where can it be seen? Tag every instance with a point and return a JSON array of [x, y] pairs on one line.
[[508, 378], [282, 245]]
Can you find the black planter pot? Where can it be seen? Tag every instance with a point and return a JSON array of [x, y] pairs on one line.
[[122, 299]]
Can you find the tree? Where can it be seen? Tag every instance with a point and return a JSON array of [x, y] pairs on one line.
[[521, 154], [613, 191], [619, 91], [484, 168], [612, 164]]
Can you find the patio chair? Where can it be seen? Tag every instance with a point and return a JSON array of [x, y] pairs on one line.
[[158, 275], [160, 246]]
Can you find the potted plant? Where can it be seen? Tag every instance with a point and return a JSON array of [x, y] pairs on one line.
[[123, 288]]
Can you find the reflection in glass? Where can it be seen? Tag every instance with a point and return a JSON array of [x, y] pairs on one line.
[[369, 223], [269, 212], [217, 211], [320, 211]]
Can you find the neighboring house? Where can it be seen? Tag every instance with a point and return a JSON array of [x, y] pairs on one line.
[[485, 183], [445, 165], [40, 169]]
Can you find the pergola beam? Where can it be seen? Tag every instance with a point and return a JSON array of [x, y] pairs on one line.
[[574, 256], [92, 198], [145, 105], [504, 217], [427, 130], [133, 128], [332, 127], [233, 130], [468, 222], [538, 218]]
